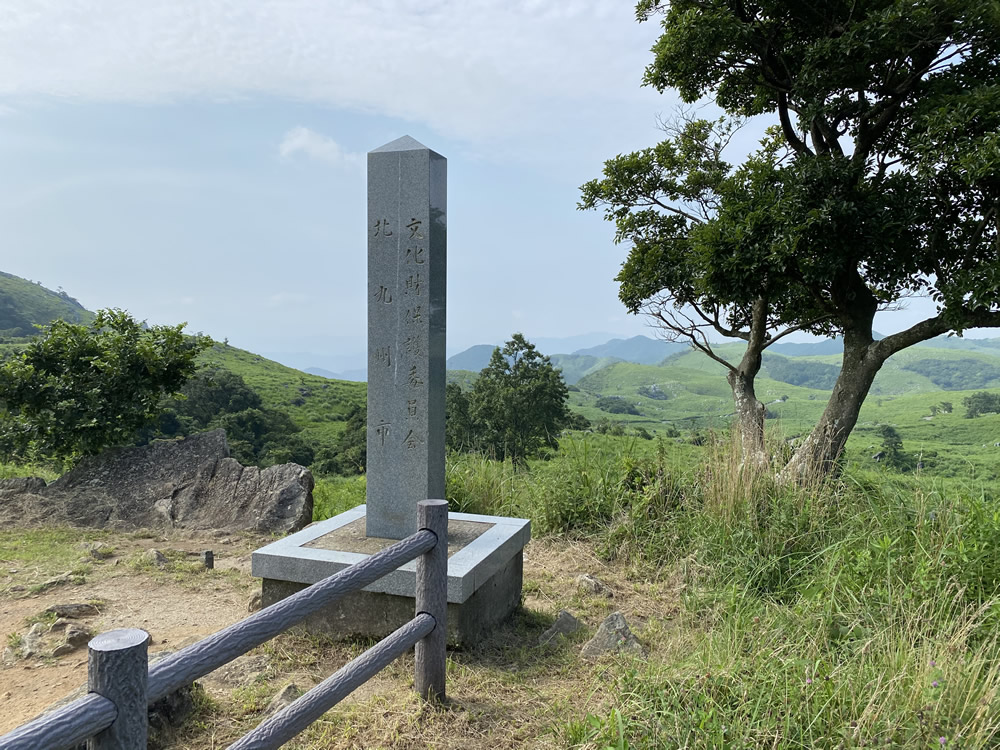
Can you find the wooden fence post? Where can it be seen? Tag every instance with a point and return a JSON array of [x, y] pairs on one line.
[[432, 598], [117, 668]]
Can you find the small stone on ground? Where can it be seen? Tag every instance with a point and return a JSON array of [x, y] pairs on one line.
[[589, 584], [613, 635], [566, 624]]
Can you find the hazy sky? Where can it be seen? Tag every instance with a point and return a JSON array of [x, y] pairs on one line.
[[203, 160]]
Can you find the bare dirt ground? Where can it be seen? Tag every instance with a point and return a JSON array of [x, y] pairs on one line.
[[506, 692], [174, 608]]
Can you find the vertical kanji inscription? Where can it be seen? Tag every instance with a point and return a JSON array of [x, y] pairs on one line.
[[407, 241]]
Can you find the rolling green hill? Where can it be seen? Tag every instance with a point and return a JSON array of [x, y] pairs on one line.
[[25, 304], [316, 404], [577, 366]]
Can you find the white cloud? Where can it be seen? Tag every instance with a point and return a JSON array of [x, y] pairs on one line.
[[481, 70], [317, 146]]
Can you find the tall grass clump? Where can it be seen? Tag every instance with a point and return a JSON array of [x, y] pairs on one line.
[[476, 484], [861, 612], [583, 488], [762, 678], [578, 490], [13, 470], [334, 495]]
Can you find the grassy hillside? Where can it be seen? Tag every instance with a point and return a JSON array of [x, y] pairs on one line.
[[24, 304], [317, 404], [575, 367]]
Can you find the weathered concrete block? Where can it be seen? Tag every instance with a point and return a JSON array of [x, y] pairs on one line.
[[485, 571], [370, 614]]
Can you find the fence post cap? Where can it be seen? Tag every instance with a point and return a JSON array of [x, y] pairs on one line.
[[117, 640], [430, 503]]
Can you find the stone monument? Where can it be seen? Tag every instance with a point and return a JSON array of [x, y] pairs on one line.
[[407, 246], [407, 250]]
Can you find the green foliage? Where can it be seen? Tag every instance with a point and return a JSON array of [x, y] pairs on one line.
[[334, 495], [892, 447], [881, 180], [957, 374], [349, 453], [516, 407], [615, 405], [77, 389], [798, 371], [979, 403], [265, 437], [652, 391], [318, 405], [459, 430]]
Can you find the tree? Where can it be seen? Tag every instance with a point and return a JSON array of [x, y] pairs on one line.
[[518, 405], [880, 180], [892, 446], [265, 437], [459, 432], [349, 454], [78, 389], [981, 402]]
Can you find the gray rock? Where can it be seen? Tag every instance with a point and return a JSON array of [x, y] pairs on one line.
[[31, 642], [155, 557], [77, 636], [190, 483], [613, 635], [73, 611], [19, 485], [284, 697], [566, 624], [589, 584], [57, 581], [59, 625], [100, 550], [63, 649]]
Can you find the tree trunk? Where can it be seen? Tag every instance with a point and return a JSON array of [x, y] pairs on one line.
[[817, 457], [749, 417]]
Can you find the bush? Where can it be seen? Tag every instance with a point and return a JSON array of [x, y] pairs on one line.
[[615, 405]]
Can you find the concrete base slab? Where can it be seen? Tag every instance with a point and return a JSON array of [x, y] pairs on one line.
[[485, 569]]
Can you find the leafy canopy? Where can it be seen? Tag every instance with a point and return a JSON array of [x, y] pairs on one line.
[[880, 181], [516, 408], [78, 389]]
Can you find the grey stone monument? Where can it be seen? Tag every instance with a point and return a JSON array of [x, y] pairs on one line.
[[407, 243], [406, 229]]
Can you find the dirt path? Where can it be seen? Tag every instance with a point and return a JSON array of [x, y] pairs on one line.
[[506, 692], [175, 608]]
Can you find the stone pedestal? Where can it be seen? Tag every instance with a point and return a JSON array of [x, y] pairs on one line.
[[485, 556]]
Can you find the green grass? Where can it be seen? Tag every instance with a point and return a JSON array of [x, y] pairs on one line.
[[334, 495], [49, 549], [9, 471], [318, 405], [24, 304], [863, 612]]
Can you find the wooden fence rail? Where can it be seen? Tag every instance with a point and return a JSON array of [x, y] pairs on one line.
[[113, 714]]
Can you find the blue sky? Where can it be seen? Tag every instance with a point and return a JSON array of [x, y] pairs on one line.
[[203, 160]]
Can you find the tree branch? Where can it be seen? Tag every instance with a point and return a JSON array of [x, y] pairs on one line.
[[679, 212], [786, 126]]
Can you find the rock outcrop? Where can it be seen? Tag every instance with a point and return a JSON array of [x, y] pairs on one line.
[[190, 483]]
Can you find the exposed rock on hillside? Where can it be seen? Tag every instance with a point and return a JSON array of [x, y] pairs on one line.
[[190, 483]]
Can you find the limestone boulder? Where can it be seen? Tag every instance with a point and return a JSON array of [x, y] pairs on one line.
[[190, 483]]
